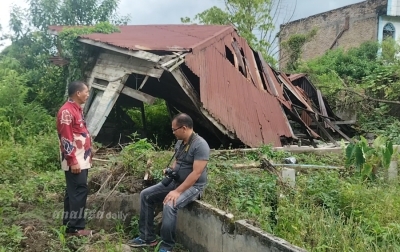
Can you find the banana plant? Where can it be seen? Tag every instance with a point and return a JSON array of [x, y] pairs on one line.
[[369, 159]]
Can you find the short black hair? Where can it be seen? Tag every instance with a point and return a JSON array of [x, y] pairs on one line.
[[183, 119], [75, 86]]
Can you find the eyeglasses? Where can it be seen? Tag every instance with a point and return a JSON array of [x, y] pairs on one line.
[[173, 130]]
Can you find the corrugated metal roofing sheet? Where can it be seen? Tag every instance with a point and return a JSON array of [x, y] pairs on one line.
[[239, 102], [242, 102], [157, 37]]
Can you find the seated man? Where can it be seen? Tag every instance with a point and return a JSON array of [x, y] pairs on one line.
[[191, 157]]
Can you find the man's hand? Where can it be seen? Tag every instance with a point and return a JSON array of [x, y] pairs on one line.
[[172, 196], [75, 169]]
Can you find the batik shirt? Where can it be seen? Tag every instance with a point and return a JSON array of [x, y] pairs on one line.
[[75, 142]]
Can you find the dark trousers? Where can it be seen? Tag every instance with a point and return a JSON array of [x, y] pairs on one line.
[[75, 200], [156, 194]]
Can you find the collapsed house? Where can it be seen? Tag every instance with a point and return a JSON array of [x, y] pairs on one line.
[[210, 73]]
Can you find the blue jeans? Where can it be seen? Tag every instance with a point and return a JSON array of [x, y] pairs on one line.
[[156, 194]]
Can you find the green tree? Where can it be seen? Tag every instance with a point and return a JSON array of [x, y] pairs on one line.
[[33, 46], [18, 119], [363, 82], [390, 48], [254, 19]]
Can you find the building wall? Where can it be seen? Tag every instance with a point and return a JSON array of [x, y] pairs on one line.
[[363, 21], [383, 20], [393, 8]]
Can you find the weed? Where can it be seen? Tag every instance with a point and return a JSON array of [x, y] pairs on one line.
[[134, 226], [61, 235]]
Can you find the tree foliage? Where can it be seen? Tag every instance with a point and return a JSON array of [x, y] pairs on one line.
[[19, 120], [31, 87], [44, 13], [32, 45], [369, 160], [363, 80], [254, 19], [78, 56]]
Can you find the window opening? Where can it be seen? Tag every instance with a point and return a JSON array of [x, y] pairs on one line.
[[388, 31]]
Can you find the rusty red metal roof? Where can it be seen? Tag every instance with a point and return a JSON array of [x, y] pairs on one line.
[[157, 37], [239, 102], [251, 103]]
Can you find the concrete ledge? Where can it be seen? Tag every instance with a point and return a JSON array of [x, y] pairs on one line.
[[202, 228]]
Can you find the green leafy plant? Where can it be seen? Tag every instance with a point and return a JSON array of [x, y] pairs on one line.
[[11, 237], [78, 55], [368, 160], [294, 47], [61, 235], [251, 17]]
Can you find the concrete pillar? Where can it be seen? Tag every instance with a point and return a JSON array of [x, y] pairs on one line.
[[393, 170], [289, 176]]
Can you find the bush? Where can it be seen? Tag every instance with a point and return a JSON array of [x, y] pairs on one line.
[[18, 120]]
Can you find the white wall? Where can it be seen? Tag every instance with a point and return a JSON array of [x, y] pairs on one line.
[[393, 8], [383, 20]]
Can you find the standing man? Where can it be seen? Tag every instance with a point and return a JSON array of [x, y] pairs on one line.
[[191, 157], [76, 157]]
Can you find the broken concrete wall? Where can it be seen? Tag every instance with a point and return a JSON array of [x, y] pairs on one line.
[[200, 227], [204, 228]]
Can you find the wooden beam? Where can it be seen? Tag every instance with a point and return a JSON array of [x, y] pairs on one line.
[[268, 78], [143, 82], [142, 110], [136, 94], [241, 62], [101, 107], [344, 122], [338, 130], [322, 128], [295, 115], [98, 86], [176, 65], [175, 59], [339, 122], [110, 63], [186, 87], [249, 71], [137, 53], [322, 106], [91, 109], [89, 101]]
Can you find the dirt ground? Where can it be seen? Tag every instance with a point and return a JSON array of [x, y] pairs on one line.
[[44, 233]]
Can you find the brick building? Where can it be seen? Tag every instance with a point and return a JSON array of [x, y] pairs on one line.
[[345, 27]]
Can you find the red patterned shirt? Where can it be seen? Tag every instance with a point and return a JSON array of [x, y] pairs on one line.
[[75, 141]]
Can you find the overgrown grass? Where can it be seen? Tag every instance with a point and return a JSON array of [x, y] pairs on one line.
[[326, 211]]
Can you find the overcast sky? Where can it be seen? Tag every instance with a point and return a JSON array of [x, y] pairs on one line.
[[170, 11]]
